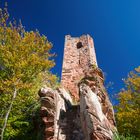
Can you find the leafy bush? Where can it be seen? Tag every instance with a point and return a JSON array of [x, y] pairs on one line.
[[127, 137]]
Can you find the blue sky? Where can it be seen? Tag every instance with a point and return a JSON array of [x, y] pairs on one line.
[[114, 25]]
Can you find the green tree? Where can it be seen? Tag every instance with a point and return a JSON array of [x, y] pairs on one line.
[[128, 109], [25, 63]]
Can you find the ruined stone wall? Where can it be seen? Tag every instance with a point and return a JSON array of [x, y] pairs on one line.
[[92, 118], [79, 55]]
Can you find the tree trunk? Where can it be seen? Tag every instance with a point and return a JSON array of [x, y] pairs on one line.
[[7, 114]]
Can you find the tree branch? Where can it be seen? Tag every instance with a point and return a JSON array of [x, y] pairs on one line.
[[7, 114]]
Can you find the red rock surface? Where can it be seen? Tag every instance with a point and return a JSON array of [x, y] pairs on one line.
[[96, 110]]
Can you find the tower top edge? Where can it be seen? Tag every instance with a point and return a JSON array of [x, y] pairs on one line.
[[84, 35]]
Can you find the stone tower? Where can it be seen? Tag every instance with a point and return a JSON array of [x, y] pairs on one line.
[[79, 56], [92, 117]]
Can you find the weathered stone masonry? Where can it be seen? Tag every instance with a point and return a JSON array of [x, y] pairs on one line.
[[92, 118], [79, 55]]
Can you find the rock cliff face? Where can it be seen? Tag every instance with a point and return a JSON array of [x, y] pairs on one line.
[[60, 117], [91, 116], [90, 119], [96, 110]]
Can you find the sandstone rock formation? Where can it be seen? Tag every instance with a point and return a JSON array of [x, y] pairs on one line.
[[90, 119], [91, 116], [96, 110], [60, 117]]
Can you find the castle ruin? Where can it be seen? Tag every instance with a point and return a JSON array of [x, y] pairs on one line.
[[80, 109], [79, 56]]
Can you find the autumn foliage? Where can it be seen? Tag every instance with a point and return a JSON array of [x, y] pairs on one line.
[[25, 63], [128, 109]]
